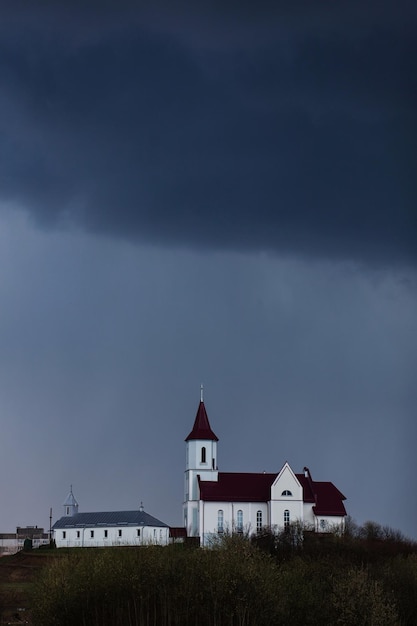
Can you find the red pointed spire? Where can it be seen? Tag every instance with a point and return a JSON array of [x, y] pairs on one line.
[[202, 428]]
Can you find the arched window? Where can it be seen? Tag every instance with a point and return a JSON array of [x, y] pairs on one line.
[[286, 518], [258, 521], [203, 454], [286, 492], [239, 521], [220, 518]]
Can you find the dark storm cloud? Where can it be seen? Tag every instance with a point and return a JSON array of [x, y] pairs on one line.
[[293, 132]]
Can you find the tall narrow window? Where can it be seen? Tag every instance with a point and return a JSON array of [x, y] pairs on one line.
[[64, 534], [120, 532], [258, 521], [203, 454], [68, 510], [286, 518], [220, 519], [91, 534], [106, 534], [239, 521], [138, 532]]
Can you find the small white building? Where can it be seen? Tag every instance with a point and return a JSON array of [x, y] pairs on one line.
[[112, 528], [215, 502], [10, 543]]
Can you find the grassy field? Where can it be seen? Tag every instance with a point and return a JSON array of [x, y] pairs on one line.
[[18, 572]]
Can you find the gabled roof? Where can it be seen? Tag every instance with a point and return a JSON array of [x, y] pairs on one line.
[[202, 428], [242, 487], [329, 500], [326, 496], [110, 518], [237, 487]]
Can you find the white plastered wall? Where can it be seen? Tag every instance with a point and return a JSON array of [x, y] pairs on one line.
[[81, 537], [286, 481]]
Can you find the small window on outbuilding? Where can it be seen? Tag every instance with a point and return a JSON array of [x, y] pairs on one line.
[[91, 533], [119, 532], [106, 534], [286, 492], [64, 534], [138, 532]]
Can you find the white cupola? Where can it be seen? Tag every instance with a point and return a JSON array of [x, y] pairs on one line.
[[70, 505]]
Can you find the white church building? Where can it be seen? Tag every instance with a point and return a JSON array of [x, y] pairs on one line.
[[108, 528], [216, 502]]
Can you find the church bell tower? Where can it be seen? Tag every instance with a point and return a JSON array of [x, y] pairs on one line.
[[201, 463], [70, 505]]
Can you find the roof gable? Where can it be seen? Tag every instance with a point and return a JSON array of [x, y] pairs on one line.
[[202, 428], [286, 480]]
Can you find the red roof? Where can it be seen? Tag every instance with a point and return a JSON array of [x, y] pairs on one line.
[[241, 487], [234, 487], [307, 485], [327, 498], [202, 428]]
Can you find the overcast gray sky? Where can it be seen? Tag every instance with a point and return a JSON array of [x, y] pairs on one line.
[[207, 195]]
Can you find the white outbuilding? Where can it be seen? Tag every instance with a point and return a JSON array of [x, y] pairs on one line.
[[108, 528]]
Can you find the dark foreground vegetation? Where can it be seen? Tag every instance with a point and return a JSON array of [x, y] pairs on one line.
[[357, 579]]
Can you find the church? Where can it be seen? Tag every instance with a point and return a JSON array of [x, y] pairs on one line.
[[216, 502], [107, 528]]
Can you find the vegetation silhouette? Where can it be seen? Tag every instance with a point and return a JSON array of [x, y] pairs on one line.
[[367, 576]]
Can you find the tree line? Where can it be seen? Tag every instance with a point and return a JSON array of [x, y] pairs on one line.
[[367, 576]]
